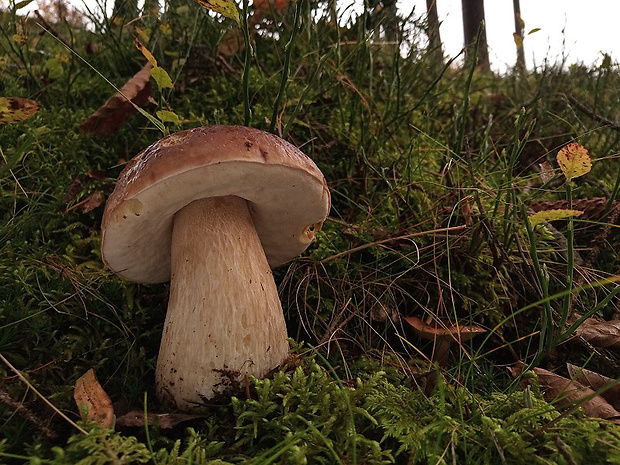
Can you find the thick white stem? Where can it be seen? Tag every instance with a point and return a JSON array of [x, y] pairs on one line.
[[224, 316]]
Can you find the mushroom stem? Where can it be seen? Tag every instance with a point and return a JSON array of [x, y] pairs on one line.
[[224, 316]]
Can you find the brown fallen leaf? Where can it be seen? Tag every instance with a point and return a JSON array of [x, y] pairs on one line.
[[605, 334], [610, 387], [15, 109], [164, 420], [112, 114], [73, 190], [231, 43], [564, 392], [89, 393]]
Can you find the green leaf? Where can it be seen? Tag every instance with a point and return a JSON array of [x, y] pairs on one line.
[[54, 68], [161, 78], [226, 8], [552, 215], [574, 160], [166, 116], [536, 29], [22, 4], [15, 109]]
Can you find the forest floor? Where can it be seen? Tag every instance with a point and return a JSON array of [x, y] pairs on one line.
[[438, 172]]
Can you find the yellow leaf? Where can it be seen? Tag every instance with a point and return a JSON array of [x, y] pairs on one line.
[[15, 109], [518, 39], [143, 33], [166, 116], [20, 39], [165, 28], [227, 8], [161, 78], [148, 55], [574, 160], [552, 215]]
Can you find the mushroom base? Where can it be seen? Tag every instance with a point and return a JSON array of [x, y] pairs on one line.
[[224, 316]]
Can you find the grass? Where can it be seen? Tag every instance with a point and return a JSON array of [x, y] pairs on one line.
[[432, 167]]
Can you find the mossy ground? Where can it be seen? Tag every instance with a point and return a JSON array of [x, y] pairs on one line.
[[428, 164]]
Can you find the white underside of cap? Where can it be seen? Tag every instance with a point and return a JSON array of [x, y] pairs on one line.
[[283, 201]]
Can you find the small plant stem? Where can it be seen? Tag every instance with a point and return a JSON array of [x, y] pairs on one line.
[[546, 330], [570, 259], [288, 49], [246, 65]]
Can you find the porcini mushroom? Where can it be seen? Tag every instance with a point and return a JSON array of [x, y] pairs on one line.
[[442, 335], [213, 209]]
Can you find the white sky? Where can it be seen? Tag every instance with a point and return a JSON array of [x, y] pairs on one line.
[[587, 27]]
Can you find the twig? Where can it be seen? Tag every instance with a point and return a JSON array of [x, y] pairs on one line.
[[595, 116], [51, 29], [30, 386], [564, 451], [26, 413]]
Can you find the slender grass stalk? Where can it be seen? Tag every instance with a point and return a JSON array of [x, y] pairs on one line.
[[41, 396], [249, 52], [547, 327], [288, 50], [158, 124], [570, 259]]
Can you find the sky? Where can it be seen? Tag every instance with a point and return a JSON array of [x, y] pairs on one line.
[[581, 29]]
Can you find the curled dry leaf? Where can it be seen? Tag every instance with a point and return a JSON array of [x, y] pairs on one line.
[[89, 393], [610, 387], [112, 114], [164, 420], [604, 334], [564, 392]]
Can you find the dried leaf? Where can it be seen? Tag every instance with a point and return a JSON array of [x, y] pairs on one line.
[[89, 393], [164, 420], [232, 43], [15, 109], [546, 172], [111, 115], [552, 215], [266, 5], [226, 8], [601, 334], [610, 387], [91, 202], [574, 160], [145, 51], [564, 392], [73, 190]]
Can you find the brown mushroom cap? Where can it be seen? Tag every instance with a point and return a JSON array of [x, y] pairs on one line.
[[286, 193], [436, 330]]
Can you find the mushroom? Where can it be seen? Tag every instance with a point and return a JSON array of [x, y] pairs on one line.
[[443, 335], [213, 209]]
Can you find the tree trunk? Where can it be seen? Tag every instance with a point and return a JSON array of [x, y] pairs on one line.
[[519, 34], [434, 38], [473, 27], [125, 9]]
